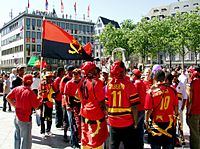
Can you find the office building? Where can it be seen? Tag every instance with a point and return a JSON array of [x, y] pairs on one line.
[[21, 37]]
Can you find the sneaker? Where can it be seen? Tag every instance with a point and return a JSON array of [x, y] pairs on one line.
[[43, 136], [49, 133]]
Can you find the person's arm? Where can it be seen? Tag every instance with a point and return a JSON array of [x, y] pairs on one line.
[[10, 98], [147, 117], [135, 115]]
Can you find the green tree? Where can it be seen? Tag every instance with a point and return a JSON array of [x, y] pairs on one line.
[[193, 40]]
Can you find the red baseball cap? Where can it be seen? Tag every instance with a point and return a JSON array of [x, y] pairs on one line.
[[137, 72], [28, 79]]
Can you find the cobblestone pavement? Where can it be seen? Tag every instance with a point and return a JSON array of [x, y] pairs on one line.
[[55, 141]]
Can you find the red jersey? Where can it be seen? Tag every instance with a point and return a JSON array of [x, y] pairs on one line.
[[195, 89], [71, 88], [141, 89], [56, 88], [63, 82], [161, 99], [121, 95], [25, 99], [90, 94]]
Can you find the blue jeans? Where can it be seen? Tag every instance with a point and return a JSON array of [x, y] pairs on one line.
[[73, 138], [23, 136]]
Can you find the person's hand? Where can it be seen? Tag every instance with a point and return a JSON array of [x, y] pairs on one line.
[[68, 108], [146, 125]]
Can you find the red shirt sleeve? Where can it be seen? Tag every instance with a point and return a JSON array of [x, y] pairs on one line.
[[12, 94], [35, 101], [148, 102]]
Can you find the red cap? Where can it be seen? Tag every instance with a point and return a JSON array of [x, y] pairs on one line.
[[87, 66], [116, 68], [137, 72], [28, 79]]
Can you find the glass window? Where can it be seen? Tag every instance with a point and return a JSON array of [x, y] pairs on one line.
[[62, 25], [39, 23], [27, 34], [28, 47], [71, 26], [33, 24], [38, 35], [67, 25], [38, 48], [33, 48], [33, 34], [27, 21], [84, 29]]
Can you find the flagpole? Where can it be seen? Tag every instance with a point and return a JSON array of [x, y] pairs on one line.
[[41, 58]]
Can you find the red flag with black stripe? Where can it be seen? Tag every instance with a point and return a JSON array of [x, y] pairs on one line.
[[58, 44]]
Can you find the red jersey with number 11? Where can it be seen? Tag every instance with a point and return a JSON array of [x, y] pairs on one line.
[[121, 95]]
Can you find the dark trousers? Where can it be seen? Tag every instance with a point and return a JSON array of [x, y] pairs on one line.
[[59, 114], [140, 129], [65, 121], [126, 135], [46, 114], [5, 102]]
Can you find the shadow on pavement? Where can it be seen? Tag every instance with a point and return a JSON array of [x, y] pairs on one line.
[[54, 141]]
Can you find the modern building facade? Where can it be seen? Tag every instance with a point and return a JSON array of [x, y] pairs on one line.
[[21, 37], [170, 10]]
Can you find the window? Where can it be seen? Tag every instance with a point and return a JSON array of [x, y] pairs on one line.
[[155, 10], [176, 7], [62, 25], [38, 48], [33, 34], [27, 34], [38, 35], [39, 23], [164, 9], [67, 26], [33, 24], [28, 49], [33, 48], [186, 6], [27, 21]]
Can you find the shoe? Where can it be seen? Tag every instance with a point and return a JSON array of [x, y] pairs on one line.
[[49, 133], [43, 136]]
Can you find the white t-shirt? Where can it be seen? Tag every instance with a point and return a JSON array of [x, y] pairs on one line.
[[35, 84]]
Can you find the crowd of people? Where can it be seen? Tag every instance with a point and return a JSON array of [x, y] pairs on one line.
[[105, 108]]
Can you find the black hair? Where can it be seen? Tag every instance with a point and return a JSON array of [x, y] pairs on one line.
[[159, 75], [59, 70], [168, 77]]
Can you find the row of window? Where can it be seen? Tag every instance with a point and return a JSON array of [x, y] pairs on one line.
[[189, 57], [11, 39], [177, 7], [32, 48], [32, 23], [12, 62], [12, 27], [12, 50]]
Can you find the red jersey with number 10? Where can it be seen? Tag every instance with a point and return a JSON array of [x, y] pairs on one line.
[[121, 95], [161, 99]]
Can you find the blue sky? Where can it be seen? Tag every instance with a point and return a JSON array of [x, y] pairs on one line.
[[117, 10]]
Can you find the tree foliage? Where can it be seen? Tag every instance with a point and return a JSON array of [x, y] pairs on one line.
[[173, 35]]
